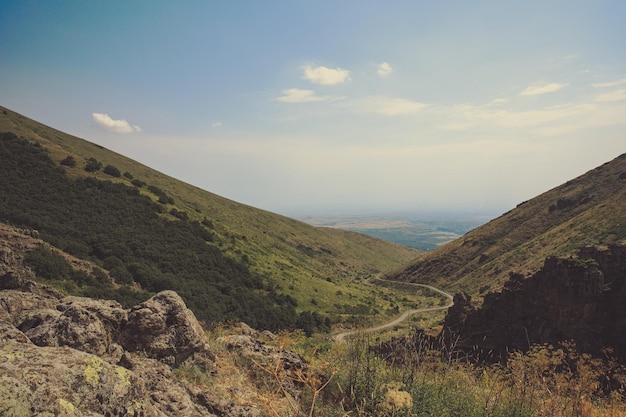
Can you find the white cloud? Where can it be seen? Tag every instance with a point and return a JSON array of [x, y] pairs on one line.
[[499, 100], [610, 84], [618, 95], [297, 95], [542, 89], [389, 106], [105, 122], [384, 69], [216, 124], [325, 76]]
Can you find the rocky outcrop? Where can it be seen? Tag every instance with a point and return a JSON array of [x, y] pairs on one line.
[[74, 355], [165, 329], [579, 299]]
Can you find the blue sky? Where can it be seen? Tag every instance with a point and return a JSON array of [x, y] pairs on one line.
[[302, 107]]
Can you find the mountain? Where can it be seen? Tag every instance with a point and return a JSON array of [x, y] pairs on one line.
[[588, 210], [146, 232]]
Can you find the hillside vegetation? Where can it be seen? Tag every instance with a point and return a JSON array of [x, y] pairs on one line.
[[588, 210], [141, 227]]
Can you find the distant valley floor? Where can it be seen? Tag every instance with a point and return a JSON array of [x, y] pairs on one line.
[[415, 231]]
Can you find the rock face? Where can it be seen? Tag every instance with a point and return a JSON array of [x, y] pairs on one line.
[[579, 299], [71, 355]]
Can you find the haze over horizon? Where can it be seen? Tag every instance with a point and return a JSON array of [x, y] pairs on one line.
[[311, 107]]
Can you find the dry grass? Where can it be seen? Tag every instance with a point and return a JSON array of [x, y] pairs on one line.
[[351, 379]]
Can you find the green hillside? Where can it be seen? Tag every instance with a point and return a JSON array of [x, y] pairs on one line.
[[228, 260], [588, 210]]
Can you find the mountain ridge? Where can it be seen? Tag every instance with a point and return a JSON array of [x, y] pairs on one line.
[[587, 210]]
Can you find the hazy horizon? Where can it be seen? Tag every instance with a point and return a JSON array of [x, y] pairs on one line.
[[349, 107]]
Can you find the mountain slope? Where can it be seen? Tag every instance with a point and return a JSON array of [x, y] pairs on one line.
[[118, 212], [588, 210]]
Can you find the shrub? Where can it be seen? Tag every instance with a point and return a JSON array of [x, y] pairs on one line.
[[112, 171], [138, 183], [93, 165], [179, 214], [69, 161], [47, 264]]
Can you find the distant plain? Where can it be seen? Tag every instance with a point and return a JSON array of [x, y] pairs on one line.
[[424, 232]]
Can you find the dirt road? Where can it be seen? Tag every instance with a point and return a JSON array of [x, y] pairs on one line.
[[339, 337]]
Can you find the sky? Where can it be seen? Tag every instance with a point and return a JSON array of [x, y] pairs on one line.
[[304, 107]]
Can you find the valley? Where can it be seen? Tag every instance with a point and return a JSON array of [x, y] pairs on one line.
[[174, 298], [422, 231]]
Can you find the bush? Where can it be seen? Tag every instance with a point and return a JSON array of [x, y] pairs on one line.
[[179, 214], [138, 183], [48, 264], [112, 171], [165, 199], [69, 161], [93, 165]]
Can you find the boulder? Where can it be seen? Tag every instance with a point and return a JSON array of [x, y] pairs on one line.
[[165, 329]]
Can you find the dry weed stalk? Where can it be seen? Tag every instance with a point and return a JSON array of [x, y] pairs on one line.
[[313, 381]]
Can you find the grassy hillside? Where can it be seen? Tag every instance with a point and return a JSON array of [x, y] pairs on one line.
[[588, 210], [112, 212]]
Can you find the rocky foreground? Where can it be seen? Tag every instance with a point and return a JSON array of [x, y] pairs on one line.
[[65, 355]]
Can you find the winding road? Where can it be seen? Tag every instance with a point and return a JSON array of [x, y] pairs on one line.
[[339, 337]]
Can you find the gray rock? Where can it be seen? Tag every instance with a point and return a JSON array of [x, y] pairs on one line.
[[165, 329], [63, 381]]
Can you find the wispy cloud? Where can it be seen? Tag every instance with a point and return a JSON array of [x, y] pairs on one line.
[[215, 125], [106, 122], [618, 95], [542, 89], [325, 76], [384, 69], [389, 106], [297, 95], [549, 121], [610, 83]]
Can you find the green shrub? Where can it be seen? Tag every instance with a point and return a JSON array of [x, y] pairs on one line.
[[138, 183], [48, 264], [69, 161], [112, 171], [93, 165]]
